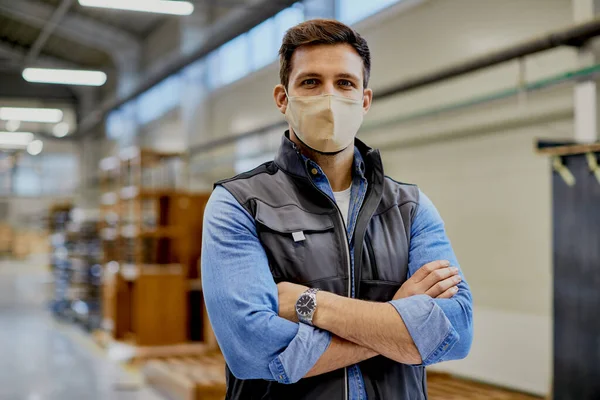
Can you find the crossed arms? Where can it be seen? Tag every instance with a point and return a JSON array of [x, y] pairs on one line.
[[365, 329], [254, 319]]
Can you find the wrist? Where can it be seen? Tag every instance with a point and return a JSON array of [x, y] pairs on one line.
[[323, 300], [306, 306]]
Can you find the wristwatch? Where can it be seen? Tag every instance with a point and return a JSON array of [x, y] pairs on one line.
[[306, 306]]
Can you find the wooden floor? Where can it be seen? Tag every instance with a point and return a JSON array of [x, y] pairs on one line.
[[446, 387]]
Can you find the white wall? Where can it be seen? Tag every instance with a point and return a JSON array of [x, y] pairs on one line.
[[166, 134], [477, 164]]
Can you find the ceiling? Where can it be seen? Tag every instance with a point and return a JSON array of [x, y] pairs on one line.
[[85, 37], [64, 34], [136, 23]]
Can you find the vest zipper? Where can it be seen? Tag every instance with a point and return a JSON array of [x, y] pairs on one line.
[[350, 282], [349, 263]]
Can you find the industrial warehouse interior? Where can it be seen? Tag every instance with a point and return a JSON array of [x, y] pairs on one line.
[[117, 118]]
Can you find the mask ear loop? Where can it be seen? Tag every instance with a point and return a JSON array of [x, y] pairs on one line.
[[287, 96]]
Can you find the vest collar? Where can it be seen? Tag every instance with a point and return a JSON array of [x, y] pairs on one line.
[[289, 159]]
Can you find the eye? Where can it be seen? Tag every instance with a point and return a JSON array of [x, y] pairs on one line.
[[309, 82], [345, 82]]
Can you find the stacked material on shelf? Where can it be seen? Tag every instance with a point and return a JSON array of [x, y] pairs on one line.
[[188, 378], [151, 227], [60, 264], [29, 242], [6, 239], [86, 257]]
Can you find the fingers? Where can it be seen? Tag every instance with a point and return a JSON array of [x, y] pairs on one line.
[[449, 293], [440, 287], [427, 269], [436, 276]]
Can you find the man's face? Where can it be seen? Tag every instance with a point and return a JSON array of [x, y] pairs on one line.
[[325, 69]]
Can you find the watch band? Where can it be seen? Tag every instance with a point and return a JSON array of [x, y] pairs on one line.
[[312, 292]]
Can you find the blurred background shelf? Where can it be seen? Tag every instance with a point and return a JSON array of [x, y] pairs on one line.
[[152, 239]]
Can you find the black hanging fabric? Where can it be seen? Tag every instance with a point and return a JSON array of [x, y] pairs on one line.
[[576, 236]]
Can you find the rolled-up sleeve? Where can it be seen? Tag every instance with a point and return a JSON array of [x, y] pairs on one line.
[[242, 300], [442, 329]]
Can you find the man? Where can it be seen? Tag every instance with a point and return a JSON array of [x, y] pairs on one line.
[[322, 277]]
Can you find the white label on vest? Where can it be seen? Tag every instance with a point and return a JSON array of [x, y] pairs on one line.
[[298, 236]]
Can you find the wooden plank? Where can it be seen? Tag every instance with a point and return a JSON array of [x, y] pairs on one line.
[[160, 309], [173, 385], [570, 149], [194, 284], [184, 349], [163, 231], [206, 374], [146, 152], [151, 193], [447, 387]]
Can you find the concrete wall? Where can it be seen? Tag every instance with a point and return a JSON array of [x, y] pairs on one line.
[[477, 164]]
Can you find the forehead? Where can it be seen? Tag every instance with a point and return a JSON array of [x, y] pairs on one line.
[[326, 59]]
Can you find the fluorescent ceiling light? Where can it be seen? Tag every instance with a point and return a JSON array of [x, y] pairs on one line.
[[13, 125], [15, 139], [34, 148], [61, 129], [64, 76], [151, 6], [49, 115]]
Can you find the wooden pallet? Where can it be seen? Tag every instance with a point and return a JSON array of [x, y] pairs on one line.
[[188, 378], [203, 378], [446, 387]]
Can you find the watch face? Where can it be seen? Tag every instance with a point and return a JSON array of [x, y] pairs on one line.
[[305, 305]]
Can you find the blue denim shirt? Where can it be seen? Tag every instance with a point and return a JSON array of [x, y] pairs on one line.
[[258, 344]]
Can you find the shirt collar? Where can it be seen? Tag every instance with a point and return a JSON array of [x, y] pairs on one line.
[[367, 161], [359, 164]]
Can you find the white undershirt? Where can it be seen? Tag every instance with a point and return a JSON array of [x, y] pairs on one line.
[[343, 201]]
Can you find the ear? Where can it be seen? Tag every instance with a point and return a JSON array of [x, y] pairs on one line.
[[280, 97], [367, 100]]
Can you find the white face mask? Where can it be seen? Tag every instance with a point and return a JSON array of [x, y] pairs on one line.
[[326, 123]]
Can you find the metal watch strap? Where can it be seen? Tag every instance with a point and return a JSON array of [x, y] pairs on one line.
[[310, 291]]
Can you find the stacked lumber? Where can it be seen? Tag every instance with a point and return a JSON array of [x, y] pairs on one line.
[[26, 243], [6, 239], [446, 387], [188, 377]]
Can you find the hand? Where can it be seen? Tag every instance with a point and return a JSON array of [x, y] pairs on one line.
[[288, 296], [436, 279]]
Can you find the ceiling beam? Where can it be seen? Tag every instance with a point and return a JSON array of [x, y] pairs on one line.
[[224, 3], [47, 31], [235, 23], [10, 77], [13, 86], [17, 57], [84, 30]]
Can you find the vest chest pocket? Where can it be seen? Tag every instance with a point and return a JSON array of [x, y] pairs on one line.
[[301, 245]]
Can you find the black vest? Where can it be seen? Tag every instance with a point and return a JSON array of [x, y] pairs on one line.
[[282, 198]]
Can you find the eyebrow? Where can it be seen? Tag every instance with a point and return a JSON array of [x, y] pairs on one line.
[[344, 75], [348, 76], [306, 75]]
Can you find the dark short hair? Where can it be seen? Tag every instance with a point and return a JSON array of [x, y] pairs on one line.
[[321, 31]]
